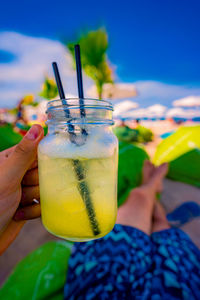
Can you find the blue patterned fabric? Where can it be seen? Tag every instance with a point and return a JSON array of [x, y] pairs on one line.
[[184, 213], [128, 264]]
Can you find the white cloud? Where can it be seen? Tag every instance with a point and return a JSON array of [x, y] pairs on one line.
[[151, 92], [190, 101], [33, 58], [182, 113]]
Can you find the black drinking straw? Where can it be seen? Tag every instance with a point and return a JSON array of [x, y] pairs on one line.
[[79, 170], [59, 82], [62, 97], [83, 187], [79, 80]]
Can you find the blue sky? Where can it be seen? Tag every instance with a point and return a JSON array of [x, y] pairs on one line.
[[150, 40]]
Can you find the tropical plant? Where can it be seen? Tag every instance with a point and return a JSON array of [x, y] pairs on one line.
[[145, 135], [140, 134], [126, 134], [49, 89], [28, 99], [8, 137], [94, 45]]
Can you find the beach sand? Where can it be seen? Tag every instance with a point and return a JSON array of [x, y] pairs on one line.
[[174, 195]]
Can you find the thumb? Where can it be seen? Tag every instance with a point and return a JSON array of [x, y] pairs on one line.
[[25, 152]]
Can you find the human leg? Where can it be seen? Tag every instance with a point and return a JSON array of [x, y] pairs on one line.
[[159, 218], [138, 209]]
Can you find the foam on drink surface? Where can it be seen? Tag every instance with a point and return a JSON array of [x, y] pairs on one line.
[[63, 209], [97, 145]]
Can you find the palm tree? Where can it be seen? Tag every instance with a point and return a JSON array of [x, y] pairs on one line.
[[49, 89], [94, 45]]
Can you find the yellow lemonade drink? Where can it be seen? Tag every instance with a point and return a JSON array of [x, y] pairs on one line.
[[78, 186]]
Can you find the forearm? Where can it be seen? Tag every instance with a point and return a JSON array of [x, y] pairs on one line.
[[9, 234]]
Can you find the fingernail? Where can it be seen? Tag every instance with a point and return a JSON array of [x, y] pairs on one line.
[[19, 215], [33, 133]]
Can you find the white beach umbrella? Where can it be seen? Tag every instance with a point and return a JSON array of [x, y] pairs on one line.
[[182, 113], [175, 112], [149, 112], [123, 107], [114, 91], [156, 111], [135, 114], [190, 101], [157, 108]]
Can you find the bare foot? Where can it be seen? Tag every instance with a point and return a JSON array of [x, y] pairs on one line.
[[138, 209], [159, 218], [147, 171]]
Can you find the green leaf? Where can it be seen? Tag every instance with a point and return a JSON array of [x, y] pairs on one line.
[[182, 151], [131, 159], [94, 45], [144, 134], [49, 89], [126, 134], [8, 137], [140, 134], [40, 275]]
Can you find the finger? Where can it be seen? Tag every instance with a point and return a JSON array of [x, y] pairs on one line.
[[9, 235], [28, 212], [28, 194], [34, 165], [31, 177], [6, 153], [25, 153]]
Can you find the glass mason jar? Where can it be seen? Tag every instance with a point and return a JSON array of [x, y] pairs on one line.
[[78, 162]]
